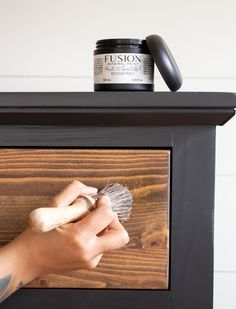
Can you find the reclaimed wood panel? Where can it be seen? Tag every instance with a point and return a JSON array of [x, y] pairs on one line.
[[30, 177]]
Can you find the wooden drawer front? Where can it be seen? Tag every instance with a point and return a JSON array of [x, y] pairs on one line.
[[29, 177]]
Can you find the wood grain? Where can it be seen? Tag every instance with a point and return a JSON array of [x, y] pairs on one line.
[[30, 177]]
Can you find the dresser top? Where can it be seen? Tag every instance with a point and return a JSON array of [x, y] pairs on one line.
[[119, 99], [117, 108]]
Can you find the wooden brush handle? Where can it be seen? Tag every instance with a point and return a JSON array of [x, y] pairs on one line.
[[48, 218]]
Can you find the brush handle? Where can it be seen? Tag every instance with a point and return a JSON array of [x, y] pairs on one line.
[[47, 218]]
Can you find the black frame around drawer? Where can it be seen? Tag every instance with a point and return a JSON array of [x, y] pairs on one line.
[[183, 122], [191, 211]]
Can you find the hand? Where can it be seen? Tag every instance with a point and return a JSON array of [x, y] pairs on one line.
[[75, 245], [68, 247]]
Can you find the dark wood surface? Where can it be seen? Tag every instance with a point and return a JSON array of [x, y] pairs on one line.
[[119, 99], [192, 171], [117, 108], [87, 299], [192, 213], [29, 177], [191, 217]]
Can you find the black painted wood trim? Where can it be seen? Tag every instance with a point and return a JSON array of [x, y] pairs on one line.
[[115, 117], [191, 204], [120, 99], [192, 218], [86, 299], [117, 108]]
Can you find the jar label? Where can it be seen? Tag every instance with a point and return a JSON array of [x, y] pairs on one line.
[[123, 68]]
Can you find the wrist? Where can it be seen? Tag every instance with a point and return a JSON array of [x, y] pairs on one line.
[[24, 261]]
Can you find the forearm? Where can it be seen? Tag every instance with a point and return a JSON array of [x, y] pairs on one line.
[[15, 270]]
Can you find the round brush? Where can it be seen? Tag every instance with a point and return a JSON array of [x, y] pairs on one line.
[[47, 218]]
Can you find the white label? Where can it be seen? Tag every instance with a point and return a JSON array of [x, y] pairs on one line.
[[123, 68]]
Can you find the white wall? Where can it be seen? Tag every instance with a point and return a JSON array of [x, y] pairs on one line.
[[47, 45]]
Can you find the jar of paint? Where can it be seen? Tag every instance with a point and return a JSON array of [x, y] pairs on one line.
[[128, 64]]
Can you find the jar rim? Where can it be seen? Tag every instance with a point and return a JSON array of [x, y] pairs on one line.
[[121, 41]]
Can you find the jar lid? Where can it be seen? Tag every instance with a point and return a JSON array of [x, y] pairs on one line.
[[121, 41], [165, 62]]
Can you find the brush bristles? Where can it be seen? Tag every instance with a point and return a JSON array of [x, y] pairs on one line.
[[121, 200]]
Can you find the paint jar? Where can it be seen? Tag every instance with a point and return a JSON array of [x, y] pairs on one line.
[[123, 65], [128, 64]]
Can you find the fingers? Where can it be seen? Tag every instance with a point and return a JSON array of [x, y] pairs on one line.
[[98, 219], [69, 194], [104, 227], [115, 238]]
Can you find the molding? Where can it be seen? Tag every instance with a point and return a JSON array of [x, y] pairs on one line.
[[117, 108]]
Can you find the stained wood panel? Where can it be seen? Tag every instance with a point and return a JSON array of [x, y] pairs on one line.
[[30, 177]]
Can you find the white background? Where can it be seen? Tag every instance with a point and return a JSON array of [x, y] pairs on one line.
[[47, 45]]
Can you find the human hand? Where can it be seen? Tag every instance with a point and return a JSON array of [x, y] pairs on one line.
[[71, 246]]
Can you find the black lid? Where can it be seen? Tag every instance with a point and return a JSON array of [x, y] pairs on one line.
[[165, 62], [120, 41]]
